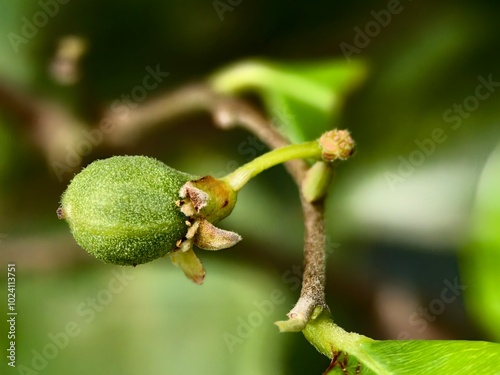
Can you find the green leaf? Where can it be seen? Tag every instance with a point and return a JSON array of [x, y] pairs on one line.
[[431, 357], [481, 257], [302, 99], [360, 353]]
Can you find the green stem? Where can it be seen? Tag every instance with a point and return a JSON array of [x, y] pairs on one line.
[[327, 337], [307, 150]]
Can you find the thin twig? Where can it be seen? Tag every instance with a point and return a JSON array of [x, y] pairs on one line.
[[50, 125], [313, 283], [227, 112]]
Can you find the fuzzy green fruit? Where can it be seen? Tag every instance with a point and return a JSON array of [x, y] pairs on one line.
[[123, 209]]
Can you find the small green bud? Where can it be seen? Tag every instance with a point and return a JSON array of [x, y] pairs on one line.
[[123, 209], [316, 181], [336, 145]]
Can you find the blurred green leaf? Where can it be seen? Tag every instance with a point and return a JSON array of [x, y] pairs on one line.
[[362, 355], [430, 357], [15, 61], [303, 99], [151, 320], [481, 257]]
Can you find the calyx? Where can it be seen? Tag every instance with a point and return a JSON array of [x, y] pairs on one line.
[[205, 202]]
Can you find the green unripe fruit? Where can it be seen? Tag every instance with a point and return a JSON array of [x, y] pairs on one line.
[[123, 209]]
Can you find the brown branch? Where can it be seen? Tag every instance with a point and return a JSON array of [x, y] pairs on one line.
[[313, 282], [50, 126], [227, 112], [166, 108]]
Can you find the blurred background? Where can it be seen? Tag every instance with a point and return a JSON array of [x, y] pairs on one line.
[[413, 218]]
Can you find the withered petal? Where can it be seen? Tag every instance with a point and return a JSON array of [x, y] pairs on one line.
[[210, 237], [190, 265]]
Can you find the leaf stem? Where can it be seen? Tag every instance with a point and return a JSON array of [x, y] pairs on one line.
[[328, 337], [238, 178]]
